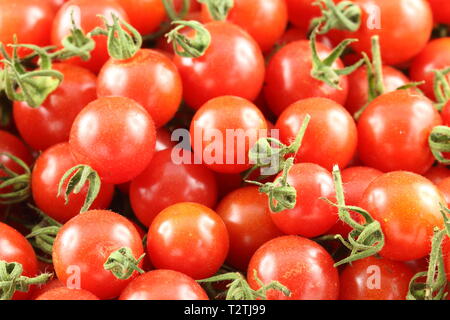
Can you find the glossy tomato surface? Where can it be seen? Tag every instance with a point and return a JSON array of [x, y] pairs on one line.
[[63, 293], [144, 15]]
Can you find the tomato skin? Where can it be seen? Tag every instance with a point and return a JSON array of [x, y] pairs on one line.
[[394, 125], [159, 95], [164, 285], [375, 279], [437, 174], [48, 171], [56, 4], [189, 238], [301, 12], [115, 136], [246, 214], [446, 254], [331, 136], [359, 95], [408, 208], [159, 186], [232, 65], [444, 187], [405, 28], [433, 57], [441, 11], [63, 293], [145, 15], [50, 285], [85, 13], [220, 115], [264, 20], [9, 143], [86, 241], [15, 248], [300, 264], [288, 77], [54, 118]]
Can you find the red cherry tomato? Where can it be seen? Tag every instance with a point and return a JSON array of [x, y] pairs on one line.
[[164, 285], [408, 208], [441, 11], [394, 125], [115, 136], [159, 91], [15, 248], [437, 174], [301, 265], [264, 20], [232, 65], [165, 183], [223, 130], [288, 77], [86, 15], [48, 171], [189, 238], [301, 12], [63, 293], [331, 136], [54, 118], [375, 279], [145, 15], [83, 245], [247, 217]]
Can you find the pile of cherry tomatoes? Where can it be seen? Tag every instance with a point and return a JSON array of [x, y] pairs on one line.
[[112, 110]]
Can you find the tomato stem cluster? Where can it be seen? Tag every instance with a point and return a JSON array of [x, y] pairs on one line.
[[342, 16], [219, 9], [192, 47], [123, 264]]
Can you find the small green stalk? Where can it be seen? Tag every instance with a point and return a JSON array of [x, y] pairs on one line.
[[439, 142], [172, 14], [219, 9], [342, 16], [441, 88], [123, 264], [192, 47], [20, 183]]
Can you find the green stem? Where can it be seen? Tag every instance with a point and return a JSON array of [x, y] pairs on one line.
[[20, 183], [192, 47], [171, 12], [439, 142], [219, 9], [441, 87], [344, 16], [123, 264]]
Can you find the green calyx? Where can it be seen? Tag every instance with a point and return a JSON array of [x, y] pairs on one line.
[[77, 178], [441, 88], [123, 264], [323, 70], [12, 280], [19, 183], [172, 14], [218, 9], [191, 47], [239, 289], [439, 142], [342, 16]]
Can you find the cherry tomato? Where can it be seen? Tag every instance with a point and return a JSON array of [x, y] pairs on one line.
[[301, 12], [331, 136], [223, 130], [288, 77], [437, 174], [54, 118], [441, 11], [115, 136], [375, 279], [166, 182], [232, 65], [145, 15], [408, 208], [86, 15], [15, 248], [159, 91], [435, 56], [164, 285], [48, 171], [63, 293], [83, 245], [301, 265], [393, 132], [189, 238], [444, 187], [264, 20], [247, 217]]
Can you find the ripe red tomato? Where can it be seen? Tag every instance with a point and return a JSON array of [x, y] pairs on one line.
[[145, 15], [408, 208], [189, 238], [437, 174], [48, 171], [115, 136], [444, 187], [404, 28], [232, 65], [15, 248], [54, 118], [433, 57], [375, 279], [331, 136], [394, 125], [301, 265], [223, 130], [150, 78], [301, 12], [83, 245], [86, 15], [288, 77], [164, 285], [165, 183], [441, 11], [359, 95], [264, 20], [247, 217], [63, 293]]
